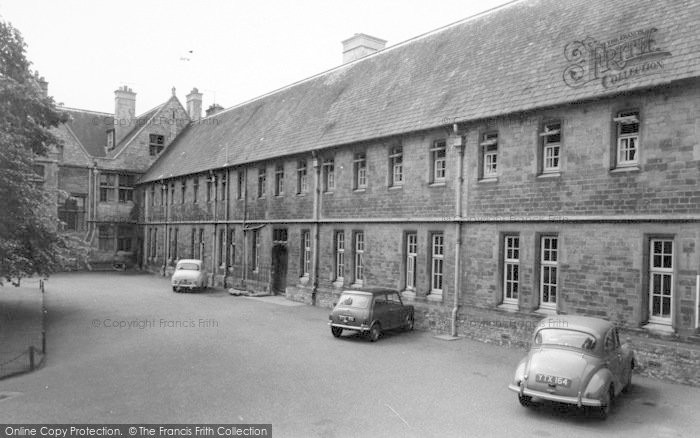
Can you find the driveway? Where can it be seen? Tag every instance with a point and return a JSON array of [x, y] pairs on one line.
[[123, 348]]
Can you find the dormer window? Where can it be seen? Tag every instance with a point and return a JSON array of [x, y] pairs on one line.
[[156, 143]]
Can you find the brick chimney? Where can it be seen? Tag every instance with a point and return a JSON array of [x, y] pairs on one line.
[[213, 109], [194, 104], [124, 112], [361, 45]]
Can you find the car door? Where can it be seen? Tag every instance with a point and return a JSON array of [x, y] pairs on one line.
[[395, 316], [380, 310]]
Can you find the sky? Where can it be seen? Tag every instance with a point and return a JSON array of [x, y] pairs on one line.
[[232, 51]]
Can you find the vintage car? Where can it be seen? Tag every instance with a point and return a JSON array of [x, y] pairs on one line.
[[370, 312], [189, 274], [576, 360]]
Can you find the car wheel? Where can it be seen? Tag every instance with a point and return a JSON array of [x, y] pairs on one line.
[[408, 324], [606, 405], [525, 400], [337, 331], [374, 332]]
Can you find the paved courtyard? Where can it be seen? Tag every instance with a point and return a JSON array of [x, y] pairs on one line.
[[123, 347]]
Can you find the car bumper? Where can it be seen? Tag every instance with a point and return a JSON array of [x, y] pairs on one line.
[[362, 328], [578, 401], [185, 286]]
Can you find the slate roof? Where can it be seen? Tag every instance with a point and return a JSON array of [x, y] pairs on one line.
[[90, 129], [507, 60]]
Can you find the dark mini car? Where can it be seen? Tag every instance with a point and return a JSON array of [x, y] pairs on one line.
[[575, 360], [370, 312]]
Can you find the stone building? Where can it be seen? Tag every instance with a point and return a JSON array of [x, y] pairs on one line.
[[95, 170], [538, 159]]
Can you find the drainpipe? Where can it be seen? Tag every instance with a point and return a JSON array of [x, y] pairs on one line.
[[227, 249], [166, 240], [316, 219], [245, 223], [459, 181], [697, 301], [214, 248]]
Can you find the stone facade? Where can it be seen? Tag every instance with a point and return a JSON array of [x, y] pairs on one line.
[[108, 221], [603, 216]]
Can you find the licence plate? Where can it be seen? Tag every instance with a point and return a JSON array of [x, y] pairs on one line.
[[553, 380], [347, 318]]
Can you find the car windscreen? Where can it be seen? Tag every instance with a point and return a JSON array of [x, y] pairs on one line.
[[565, 338], [188, 266], [354, 300]]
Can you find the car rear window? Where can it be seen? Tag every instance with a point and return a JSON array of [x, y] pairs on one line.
[[353, 300], [565, 338], [188, 266]]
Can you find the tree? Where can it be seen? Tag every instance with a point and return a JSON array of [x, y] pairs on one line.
[[30, 238]]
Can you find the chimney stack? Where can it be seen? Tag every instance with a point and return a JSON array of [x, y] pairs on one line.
[[214, 108], [361, 45], [124, 112], [194, 104]]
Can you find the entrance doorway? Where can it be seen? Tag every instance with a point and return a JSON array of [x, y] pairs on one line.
[[279, 268]]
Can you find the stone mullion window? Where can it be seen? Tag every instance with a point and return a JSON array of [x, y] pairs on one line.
[[359, 258], [396, 166], [437, 263], [156, 143], [549, 272], [551, 147], [279, 180], [411, 260], [438, 158], [661, 281], [302, 177], [262, 182], [306, 253], [339, 256], [511, 269], [489, 155], [360, 171], [328, 175], [627, 143]]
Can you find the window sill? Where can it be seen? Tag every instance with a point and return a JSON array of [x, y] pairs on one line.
[[623, 169], [488, 180], [304, 280], [549, 175], [300, 195], [396, 187], [328, 192], [359, 190], [357, 285], [508, 307], [338, 284], [659, 328], [546, 310], [434, 296], [437, 184], [410, 295]]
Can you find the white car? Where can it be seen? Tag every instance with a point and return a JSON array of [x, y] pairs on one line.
[[189, 274]]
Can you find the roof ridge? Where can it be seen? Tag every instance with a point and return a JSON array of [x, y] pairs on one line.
[[84, 110]]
